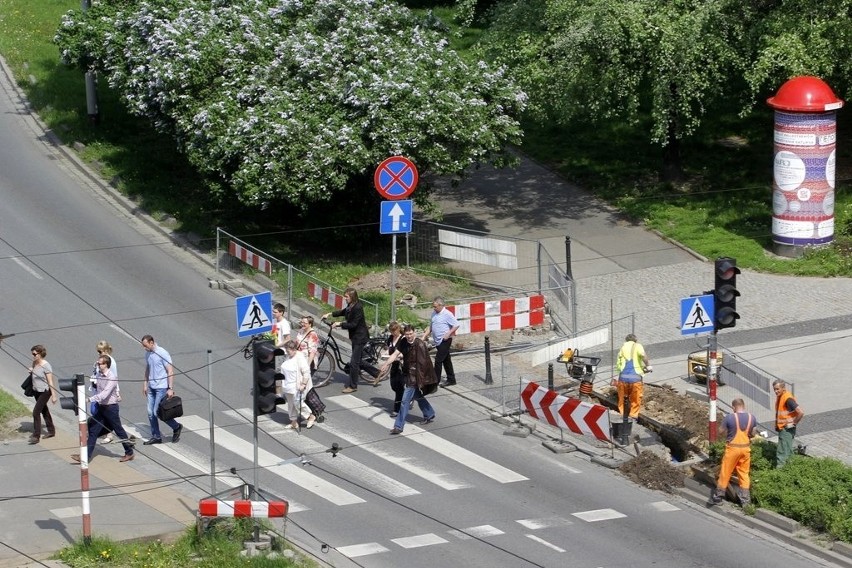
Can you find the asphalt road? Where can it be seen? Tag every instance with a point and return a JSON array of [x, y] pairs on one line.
[[75, 268]]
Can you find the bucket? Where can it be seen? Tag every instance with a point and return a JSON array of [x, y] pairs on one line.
[[620, 429]]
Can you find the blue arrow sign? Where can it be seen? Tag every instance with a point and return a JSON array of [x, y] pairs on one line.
[[697, 314], [395, 217], [254, 314]]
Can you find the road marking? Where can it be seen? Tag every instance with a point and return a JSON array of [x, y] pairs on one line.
[[418, 541], [599, 515], [664, 506], [433, 442], [356, 550], [352, 470], [67, 512], [32, 272], [271, 463], [543, 523], [408, 463], [481, 531], [544, 542]]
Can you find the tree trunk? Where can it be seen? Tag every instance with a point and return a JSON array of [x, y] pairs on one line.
[[672, 165]]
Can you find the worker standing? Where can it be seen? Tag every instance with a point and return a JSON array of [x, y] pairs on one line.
[[788, 414], [740, 427], [632, 364]]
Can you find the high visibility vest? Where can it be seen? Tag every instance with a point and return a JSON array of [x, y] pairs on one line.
[[782, 415], [741, 438]]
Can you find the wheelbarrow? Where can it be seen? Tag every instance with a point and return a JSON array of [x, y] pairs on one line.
[[696, 366]]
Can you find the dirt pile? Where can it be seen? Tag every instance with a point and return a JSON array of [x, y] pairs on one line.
[[652, 471]]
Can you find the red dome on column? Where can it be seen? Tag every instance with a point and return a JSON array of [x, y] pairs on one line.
[[805, 94]]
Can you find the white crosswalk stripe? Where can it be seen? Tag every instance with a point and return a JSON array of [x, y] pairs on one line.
[[293, 473], [431, 441], [351, 469]]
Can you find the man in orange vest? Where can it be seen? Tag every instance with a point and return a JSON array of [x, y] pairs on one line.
[[788, 414], [741, 428]]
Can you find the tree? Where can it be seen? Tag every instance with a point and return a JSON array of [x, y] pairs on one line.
[[298, 101], [596, 59]]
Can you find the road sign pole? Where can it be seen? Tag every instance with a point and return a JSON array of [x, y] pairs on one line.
[[711, 385], [393, 279]]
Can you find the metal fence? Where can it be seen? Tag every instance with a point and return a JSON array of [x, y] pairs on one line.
[[290, 281], [507, 264], [746, 380]]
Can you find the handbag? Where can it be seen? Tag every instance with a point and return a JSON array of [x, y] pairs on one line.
[[170, 408], [314, 402], [27, 386], [426, 390]]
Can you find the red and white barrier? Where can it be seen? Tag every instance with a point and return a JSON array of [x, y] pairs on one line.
[[256, 509], [496, 315], [253, 260], [325, 295], [578, 416]]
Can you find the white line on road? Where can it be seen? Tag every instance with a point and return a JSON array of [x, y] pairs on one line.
[[433, 442], [356, 550], [420, 540], [544, 542], [21, 263]]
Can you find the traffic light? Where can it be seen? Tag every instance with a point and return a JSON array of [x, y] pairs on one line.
[[264, 375], [725, 293], [70, 385]]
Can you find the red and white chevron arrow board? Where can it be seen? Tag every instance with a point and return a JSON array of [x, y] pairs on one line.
[[573, 414]]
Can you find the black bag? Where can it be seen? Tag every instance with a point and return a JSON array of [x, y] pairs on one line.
[[27, 385], [170, 408], [314, 402], [428, 389]]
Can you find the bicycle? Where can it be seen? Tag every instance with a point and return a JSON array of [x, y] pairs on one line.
[[328, 356]]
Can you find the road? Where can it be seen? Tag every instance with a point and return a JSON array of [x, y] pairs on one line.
[[76, 268]]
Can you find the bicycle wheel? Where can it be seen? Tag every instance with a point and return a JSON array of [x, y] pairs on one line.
[[325, 365]]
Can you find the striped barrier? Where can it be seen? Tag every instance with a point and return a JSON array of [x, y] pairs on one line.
[[497, 315], [580, 417], [255, 509], [325, 295], [250, 258]]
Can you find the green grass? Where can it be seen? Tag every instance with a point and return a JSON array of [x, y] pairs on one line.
[[219, 547], [11, 408]]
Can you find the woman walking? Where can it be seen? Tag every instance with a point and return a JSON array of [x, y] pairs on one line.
[[297, 383], [43, 385], [308, 340], [359, 334], [420, 379], [397, 347]]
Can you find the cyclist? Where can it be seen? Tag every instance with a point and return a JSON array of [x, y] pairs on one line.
[[359, 334]]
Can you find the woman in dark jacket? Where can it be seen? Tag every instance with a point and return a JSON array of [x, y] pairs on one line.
[[397, 346], [420, 380], [359, 334]]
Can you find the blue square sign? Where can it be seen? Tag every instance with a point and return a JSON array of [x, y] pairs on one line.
[[395, 217], [254, 314]]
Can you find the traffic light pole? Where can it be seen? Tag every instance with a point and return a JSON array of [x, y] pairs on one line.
[[711, 384], [256, 397]]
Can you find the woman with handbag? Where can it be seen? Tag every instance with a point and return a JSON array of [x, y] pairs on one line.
[[308, 340], [420, 380], [42, 374], [297, 383], [397, 346]]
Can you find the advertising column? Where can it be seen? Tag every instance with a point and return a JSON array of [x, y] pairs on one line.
[[803, 174]]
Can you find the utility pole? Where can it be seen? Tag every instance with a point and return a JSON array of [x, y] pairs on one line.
[[91, 89]]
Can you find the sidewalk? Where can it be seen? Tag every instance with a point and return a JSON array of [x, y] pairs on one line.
[[51, 517]]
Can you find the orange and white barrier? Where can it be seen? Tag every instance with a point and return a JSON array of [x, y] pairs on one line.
[[496, 315], [578, 416], [253, 260], [255, 509], [325, 295]]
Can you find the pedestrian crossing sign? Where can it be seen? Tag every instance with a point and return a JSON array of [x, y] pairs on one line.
[[254, 314], [697, 314]]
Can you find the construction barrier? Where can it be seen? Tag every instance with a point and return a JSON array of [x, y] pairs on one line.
[[580, 417], [325, 295], [255, 509], [497, 315], [250, 258]]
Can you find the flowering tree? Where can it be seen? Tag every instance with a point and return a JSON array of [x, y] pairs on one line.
[[297, 100]]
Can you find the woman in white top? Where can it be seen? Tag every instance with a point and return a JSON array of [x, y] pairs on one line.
[[297, 383]]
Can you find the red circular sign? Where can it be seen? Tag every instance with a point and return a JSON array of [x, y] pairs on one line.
[[396, 178]]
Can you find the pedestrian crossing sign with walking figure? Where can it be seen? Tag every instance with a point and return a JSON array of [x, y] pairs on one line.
[[696, 314], [253, 314]]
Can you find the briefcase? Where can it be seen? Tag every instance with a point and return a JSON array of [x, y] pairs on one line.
[[170, 408]]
